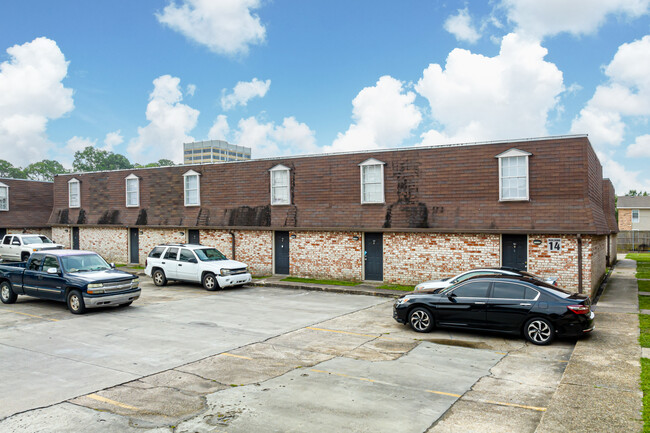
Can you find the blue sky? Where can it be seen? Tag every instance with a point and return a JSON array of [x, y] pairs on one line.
[[298, 77]]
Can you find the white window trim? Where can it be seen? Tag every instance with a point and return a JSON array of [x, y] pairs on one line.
[[198, 188], [78, 204], [510, 154], [367, 162], [277, 168], [137, 190], [6, 187], [638, 216]]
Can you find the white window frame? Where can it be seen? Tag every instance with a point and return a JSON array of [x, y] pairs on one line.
[[273, 172], [638, 216], [132, 177], [370, 163], [71, 203], [514, 153], [6, 188], [186, 176]]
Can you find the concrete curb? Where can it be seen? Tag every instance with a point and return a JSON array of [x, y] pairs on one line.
[[350, 290]]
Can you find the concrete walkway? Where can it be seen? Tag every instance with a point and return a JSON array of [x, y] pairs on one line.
[[600, 389]]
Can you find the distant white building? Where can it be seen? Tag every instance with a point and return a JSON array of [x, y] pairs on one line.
[[201, 152]]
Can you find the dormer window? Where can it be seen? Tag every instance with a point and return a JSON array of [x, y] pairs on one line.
[[372, 181], [4, 197], [192, 188], [513, 175], [280, 188], [132, 191], [74, 195]]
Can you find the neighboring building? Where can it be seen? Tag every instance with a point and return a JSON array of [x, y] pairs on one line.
[[633, 213], [204, 152], [25, 206], [401, 216]]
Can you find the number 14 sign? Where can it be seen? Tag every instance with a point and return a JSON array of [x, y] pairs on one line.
[[555, 245]]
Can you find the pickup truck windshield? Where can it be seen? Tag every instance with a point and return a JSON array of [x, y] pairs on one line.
[[29, 240], [84, 263], [209, 254]]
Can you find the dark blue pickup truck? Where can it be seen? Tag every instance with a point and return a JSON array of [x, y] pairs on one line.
[[81, 279]]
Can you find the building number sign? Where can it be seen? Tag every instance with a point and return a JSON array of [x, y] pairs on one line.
[[555, 245]]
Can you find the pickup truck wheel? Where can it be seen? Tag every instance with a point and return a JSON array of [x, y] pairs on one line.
[[7, 294], [24, 257], [210, 282], [76, 302], [159, 278]]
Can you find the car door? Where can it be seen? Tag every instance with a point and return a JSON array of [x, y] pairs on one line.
[[31, 281], [188, 266], [169, 262], [51, 285], [5, 249], [464, 305], [16, 246], [509, 305]]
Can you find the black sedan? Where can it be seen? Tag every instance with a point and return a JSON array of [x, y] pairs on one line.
[[507, 304]]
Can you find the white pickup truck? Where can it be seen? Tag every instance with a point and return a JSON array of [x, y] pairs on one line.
[[195, 263], [20, 247]]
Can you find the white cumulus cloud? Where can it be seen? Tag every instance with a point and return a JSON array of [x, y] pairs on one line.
[[243, 92], [461, 27], [266, 139], [549, 17], [224, 26], [624, 180], [625, 94], [170, 122], [640, 148], [477, 98], [384, 116], [220, 129], [31, 94], [112, 139]]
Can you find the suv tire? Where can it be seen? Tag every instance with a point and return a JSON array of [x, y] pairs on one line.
[[210, 282], [159, 278]]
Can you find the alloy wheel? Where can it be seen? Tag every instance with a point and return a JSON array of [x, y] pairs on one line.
[[74, 302], [420, 320], [5, 292], [539, 331], [209, 282]]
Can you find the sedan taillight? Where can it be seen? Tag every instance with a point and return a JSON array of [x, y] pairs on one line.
[[579, 309]]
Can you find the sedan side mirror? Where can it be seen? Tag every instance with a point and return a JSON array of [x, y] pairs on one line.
[[52, 271], [451, 296], [112, 265]]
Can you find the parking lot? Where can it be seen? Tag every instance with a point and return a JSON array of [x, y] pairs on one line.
[[262, 359]]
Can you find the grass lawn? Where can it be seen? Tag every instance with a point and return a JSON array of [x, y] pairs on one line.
[[642, 270], [314, 281], [398, 287], [644, 302], [644, 327], [257, 277], [644, 286], [639, 257], [645, 387]]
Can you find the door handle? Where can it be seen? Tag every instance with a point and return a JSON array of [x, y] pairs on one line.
[[525, 304], [180, 264], [479, 303], [162, 263]]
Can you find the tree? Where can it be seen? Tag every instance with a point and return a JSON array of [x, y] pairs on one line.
[[160, 163], [93, 159], [635, 193], [44, 170], [8, 170]]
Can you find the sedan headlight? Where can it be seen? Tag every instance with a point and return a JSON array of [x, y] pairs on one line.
[[419, 287], [225, 272], [401, 301]]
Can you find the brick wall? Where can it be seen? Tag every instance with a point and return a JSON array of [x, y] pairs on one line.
[[333, 255], [625, 219], [253, 247], [598, 261], [410, 258], [46, 231], [152, 237], [110, 243], [61, 235], [613, 248]]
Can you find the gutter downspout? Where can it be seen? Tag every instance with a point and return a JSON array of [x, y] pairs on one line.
[[233, 243], [579, 239]]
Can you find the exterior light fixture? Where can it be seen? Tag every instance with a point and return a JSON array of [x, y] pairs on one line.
[[293, 236], [355, 238]]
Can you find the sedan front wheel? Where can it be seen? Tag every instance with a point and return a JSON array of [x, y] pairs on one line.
[[421, 320]]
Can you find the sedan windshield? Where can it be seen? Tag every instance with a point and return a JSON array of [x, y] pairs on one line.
[[84, 263], [209, 255]]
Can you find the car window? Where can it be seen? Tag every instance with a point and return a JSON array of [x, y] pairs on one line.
[[504, 290], [171, 254], [7, 240], [35, 263], [45, 240], [29, 240], [50, 262], [156, 252], [186, 255], [531, 293], [84, 263], [473, 289], [209, 254], [16, 241]]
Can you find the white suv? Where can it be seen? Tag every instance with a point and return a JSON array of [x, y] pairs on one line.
[[195, 263]]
